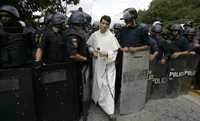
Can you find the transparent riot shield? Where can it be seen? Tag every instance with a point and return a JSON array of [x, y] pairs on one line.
[[16, 94], [158, 80], [135, 67], [181, 74], [58, 92], [176, 76], [190, 72]]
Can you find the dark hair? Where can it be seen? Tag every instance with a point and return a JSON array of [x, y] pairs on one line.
[[107, 18]]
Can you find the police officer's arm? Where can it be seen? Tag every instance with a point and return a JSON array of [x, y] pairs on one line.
[[140, 48], [182, 53], [78, 57], [152, 57], [154, 50], [40, 40], [38, 54], [185, 50]]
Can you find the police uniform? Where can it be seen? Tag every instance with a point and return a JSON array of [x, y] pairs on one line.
[[53, 47], [75, 38], [16, 48], [180, 44], [162, 46], [75, 42], [133, 36]]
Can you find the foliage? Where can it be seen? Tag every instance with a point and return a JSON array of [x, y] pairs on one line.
[[27, 7], [171, 11]]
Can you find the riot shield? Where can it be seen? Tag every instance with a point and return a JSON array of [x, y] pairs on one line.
[[176, 76], [196, 81], [134, 81], [57, 93], [158, 81], [190, 72], [16, 95], [86, 89]]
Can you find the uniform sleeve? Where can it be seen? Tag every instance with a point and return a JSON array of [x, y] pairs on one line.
[[153, 46]]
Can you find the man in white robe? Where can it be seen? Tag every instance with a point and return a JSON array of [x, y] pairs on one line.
[[103, 46]]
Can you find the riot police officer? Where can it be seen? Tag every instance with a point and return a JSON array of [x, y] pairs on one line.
[[16, 44], [191, 32], [75, 37], [179, 45], [133, 37], [160, 49], [86, 25], [116, 28], [51, 48]]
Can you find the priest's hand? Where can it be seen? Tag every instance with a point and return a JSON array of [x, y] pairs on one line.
[[103, 54], [95, 54]]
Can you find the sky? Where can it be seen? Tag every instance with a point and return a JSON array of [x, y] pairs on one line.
[[113, 8]]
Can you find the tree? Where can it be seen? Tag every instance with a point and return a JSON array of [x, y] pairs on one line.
[[27, 7], [171, 10]]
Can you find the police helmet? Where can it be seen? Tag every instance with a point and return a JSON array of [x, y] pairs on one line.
[[191, 31], [129, 14], [47, 18], [57, 18], [188, 23], [117, 26], [95, 25], [157, 22], [77, 17], [157, 28], [176, 27], [10, 9]]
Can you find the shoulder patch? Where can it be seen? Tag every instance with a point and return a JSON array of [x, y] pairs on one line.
[[75, 42]]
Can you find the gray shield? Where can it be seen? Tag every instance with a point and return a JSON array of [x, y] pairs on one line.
[[134, 82], [158, 81], [181, 74]]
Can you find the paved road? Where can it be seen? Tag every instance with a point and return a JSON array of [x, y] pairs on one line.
[[182, 108]]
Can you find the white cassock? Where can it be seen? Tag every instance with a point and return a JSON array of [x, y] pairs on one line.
[[104, 71]]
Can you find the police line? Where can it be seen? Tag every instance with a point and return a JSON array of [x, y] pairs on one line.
[[52, 92], [173, 78], [142, 80]]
